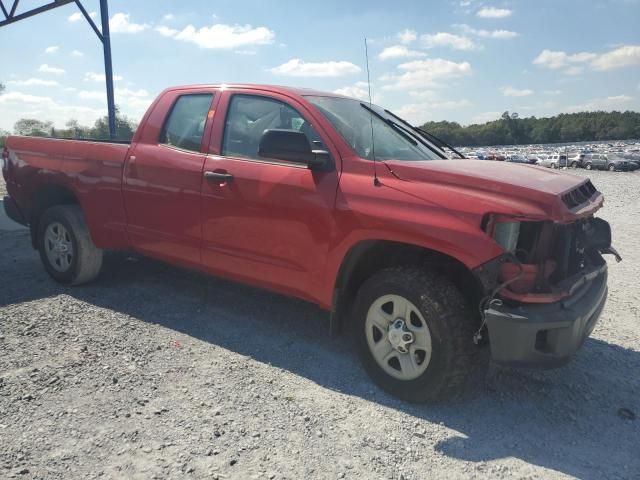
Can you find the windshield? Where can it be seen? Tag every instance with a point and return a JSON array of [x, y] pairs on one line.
[[391, 139]]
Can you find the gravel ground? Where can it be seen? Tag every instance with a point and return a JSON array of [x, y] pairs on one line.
[[155, 372]]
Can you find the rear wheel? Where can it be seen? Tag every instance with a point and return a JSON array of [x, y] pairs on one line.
[[65, 246], [588, 166], [414, 334], [574, 164], [553, 165], [612, 168]]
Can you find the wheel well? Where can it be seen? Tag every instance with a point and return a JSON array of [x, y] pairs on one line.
[[44, 198], [369, 257]]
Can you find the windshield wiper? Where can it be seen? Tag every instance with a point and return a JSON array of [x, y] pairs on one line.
[[392, 124], [427, 135], [408, 135]]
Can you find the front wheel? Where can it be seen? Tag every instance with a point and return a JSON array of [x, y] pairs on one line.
[[553, 165], [588, 166], [65, 246], [414, 334], [574, 164], [612, 168]]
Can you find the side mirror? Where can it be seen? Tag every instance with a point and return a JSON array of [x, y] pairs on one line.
[[292, 146]]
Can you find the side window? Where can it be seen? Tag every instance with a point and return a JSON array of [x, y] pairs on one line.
[[184, 126], [249, 116]]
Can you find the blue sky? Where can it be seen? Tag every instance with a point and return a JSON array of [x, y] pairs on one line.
[[459, 60]]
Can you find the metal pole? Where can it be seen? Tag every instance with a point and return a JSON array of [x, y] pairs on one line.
[[108, 70]]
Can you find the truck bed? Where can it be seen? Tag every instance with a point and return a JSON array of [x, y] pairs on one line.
[[92, 168]]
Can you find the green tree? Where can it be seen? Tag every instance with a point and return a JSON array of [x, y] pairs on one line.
[[125, 128], [33, 127], [3, 137], [512, 129]]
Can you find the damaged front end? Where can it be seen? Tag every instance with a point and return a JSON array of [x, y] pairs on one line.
[[545, 294]]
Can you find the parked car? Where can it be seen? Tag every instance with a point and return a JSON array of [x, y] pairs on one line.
[[553, 161], [601, 161], [425, 261], [517, 159], [576, 160]]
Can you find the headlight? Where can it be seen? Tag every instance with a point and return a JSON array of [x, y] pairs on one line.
[[504, 230], [506, 234]]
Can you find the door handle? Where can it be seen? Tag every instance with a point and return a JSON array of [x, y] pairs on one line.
[[220, 176]]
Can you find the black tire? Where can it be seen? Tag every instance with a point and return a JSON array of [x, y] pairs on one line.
[[588, 166], [553, 165], [612, 167], [574, 164], [450, 323], [86, 260]]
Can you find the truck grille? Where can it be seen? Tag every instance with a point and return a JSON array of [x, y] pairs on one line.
[[580, 195]]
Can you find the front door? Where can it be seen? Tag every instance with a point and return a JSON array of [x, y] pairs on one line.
[[266, 221], [162, 182]]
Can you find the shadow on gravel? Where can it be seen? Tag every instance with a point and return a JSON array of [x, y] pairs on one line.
[[563, 420]]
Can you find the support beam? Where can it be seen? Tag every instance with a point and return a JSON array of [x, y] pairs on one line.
[[45, 8], [108, 69], [4, 10]]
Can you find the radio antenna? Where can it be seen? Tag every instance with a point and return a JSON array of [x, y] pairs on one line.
[[376, 182]]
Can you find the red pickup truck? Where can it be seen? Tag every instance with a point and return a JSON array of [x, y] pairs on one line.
[[341, 203]]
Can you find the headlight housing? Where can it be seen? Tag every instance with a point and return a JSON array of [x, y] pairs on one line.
[[504, 230]]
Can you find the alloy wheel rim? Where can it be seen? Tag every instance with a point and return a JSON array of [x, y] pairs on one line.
[[58, 247], [398, 337]]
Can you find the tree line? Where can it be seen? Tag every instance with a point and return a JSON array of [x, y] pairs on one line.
[[510, 129], [125, 128]]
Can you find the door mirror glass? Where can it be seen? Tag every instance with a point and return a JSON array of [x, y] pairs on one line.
[[292, 146]]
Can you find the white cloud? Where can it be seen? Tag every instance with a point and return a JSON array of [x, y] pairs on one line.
[[75, 17], [419, 112], [620, 57], [47, 69], [492, 12], [52, 49], [623, 56], [77, 53], [298, 68], [98, 77], [420, 74], [40, 82], [553, 92], [221, 37], [168, 16], [16, 105], [514, 92], [119, 23], [444, 39], [495, 34], [19, 97], [399, 51], [359, 90], [606, 103], [129, 99], [92, 95], [166, 31], [407, 36]]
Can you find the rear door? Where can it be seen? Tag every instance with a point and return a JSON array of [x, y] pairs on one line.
[[270, 221], [163, 178]]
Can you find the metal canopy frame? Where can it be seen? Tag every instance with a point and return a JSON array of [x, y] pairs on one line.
[[10, 16]]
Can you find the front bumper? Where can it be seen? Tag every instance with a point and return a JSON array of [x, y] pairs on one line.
[[546, 335], [12, 211]]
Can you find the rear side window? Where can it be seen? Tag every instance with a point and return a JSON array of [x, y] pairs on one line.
[[184, 126], [250, 115]]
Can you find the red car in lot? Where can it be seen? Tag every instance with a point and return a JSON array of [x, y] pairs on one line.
[[340, 203]]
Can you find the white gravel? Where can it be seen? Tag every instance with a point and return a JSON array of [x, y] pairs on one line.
[[155, 372]]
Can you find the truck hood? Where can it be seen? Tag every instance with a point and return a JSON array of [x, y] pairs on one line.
[[547, 189]]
